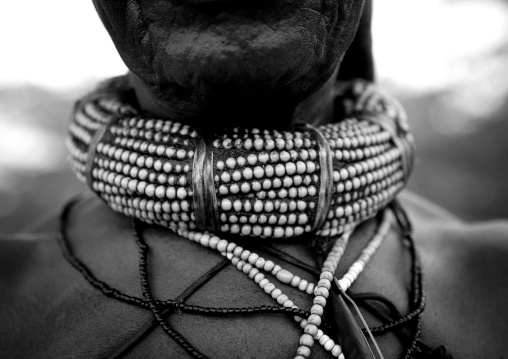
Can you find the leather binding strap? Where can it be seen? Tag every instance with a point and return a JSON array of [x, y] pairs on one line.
[[326, 178], [99, 135], [205, 199], [399, 138]]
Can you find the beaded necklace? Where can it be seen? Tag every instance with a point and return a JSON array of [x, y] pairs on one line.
[[248, 182], [270, 184], [156, 306]]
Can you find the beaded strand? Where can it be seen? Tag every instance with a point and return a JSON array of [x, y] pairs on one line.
[[252, 264]]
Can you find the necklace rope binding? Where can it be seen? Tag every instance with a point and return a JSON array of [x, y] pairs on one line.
[[249, 182]]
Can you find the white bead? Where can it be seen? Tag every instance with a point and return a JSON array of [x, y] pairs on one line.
[[231, 247], [329, 345], [280, 170], [321, 291], [288, 303], [253, 272], [252, 159], [342, 285], [269, 288], [263, 282], [310, 288], [226, 204], [276, 269], [246, 268], [269, 266], [314, 319], [237, 252], [320, 300], [284, 276], [311, 329], [304, 351], [303, 285], [245, 255], [259, 277], [241, 161], [316, 309], [326, 275], [306, 340], [336, 350], [260, 263], [323, 283], [276, 293], [253, 257], [295, 281], [205, 240], [324, 339], [214, 241], [231, 163], [247, 174], [282, 298]]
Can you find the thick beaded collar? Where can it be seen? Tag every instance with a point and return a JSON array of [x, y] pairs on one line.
[[249, 182]]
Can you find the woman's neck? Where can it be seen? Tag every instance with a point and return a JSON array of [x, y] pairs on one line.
[[266, 111]]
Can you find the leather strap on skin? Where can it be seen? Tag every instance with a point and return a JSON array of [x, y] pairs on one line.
[[349, 334]]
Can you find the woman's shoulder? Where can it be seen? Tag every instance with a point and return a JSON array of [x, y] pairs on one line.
[[465, 266], [47, 309]]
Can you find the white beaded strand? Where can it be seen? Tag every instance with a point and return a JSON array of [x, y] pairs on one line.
[[252, 264], [321, 293], [242, 259], [359, 265]]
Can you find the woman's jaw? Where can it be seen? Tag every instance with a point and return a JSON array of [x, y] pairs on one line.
[[233, 62]]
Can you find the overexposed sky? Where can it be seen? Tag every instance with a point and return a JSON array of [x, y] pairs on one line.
[[420, 45], [54, 43]]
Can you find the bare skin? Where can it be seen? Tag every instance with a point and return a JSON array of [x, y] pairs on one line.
[[251, 62]]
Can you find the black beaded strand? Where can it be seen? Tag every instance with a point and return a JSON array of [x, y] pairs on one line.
[[145, 288], [418, 293]]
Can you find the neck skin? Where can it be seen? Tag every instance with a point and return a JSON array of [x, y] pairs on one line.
[[248, 111]]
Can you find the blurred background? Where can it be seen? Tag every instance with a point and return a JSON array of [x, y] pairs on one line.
[[446, 60]]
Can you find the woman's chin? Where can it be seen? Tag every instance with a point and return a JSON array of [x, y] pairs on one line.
[[225, 62]]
